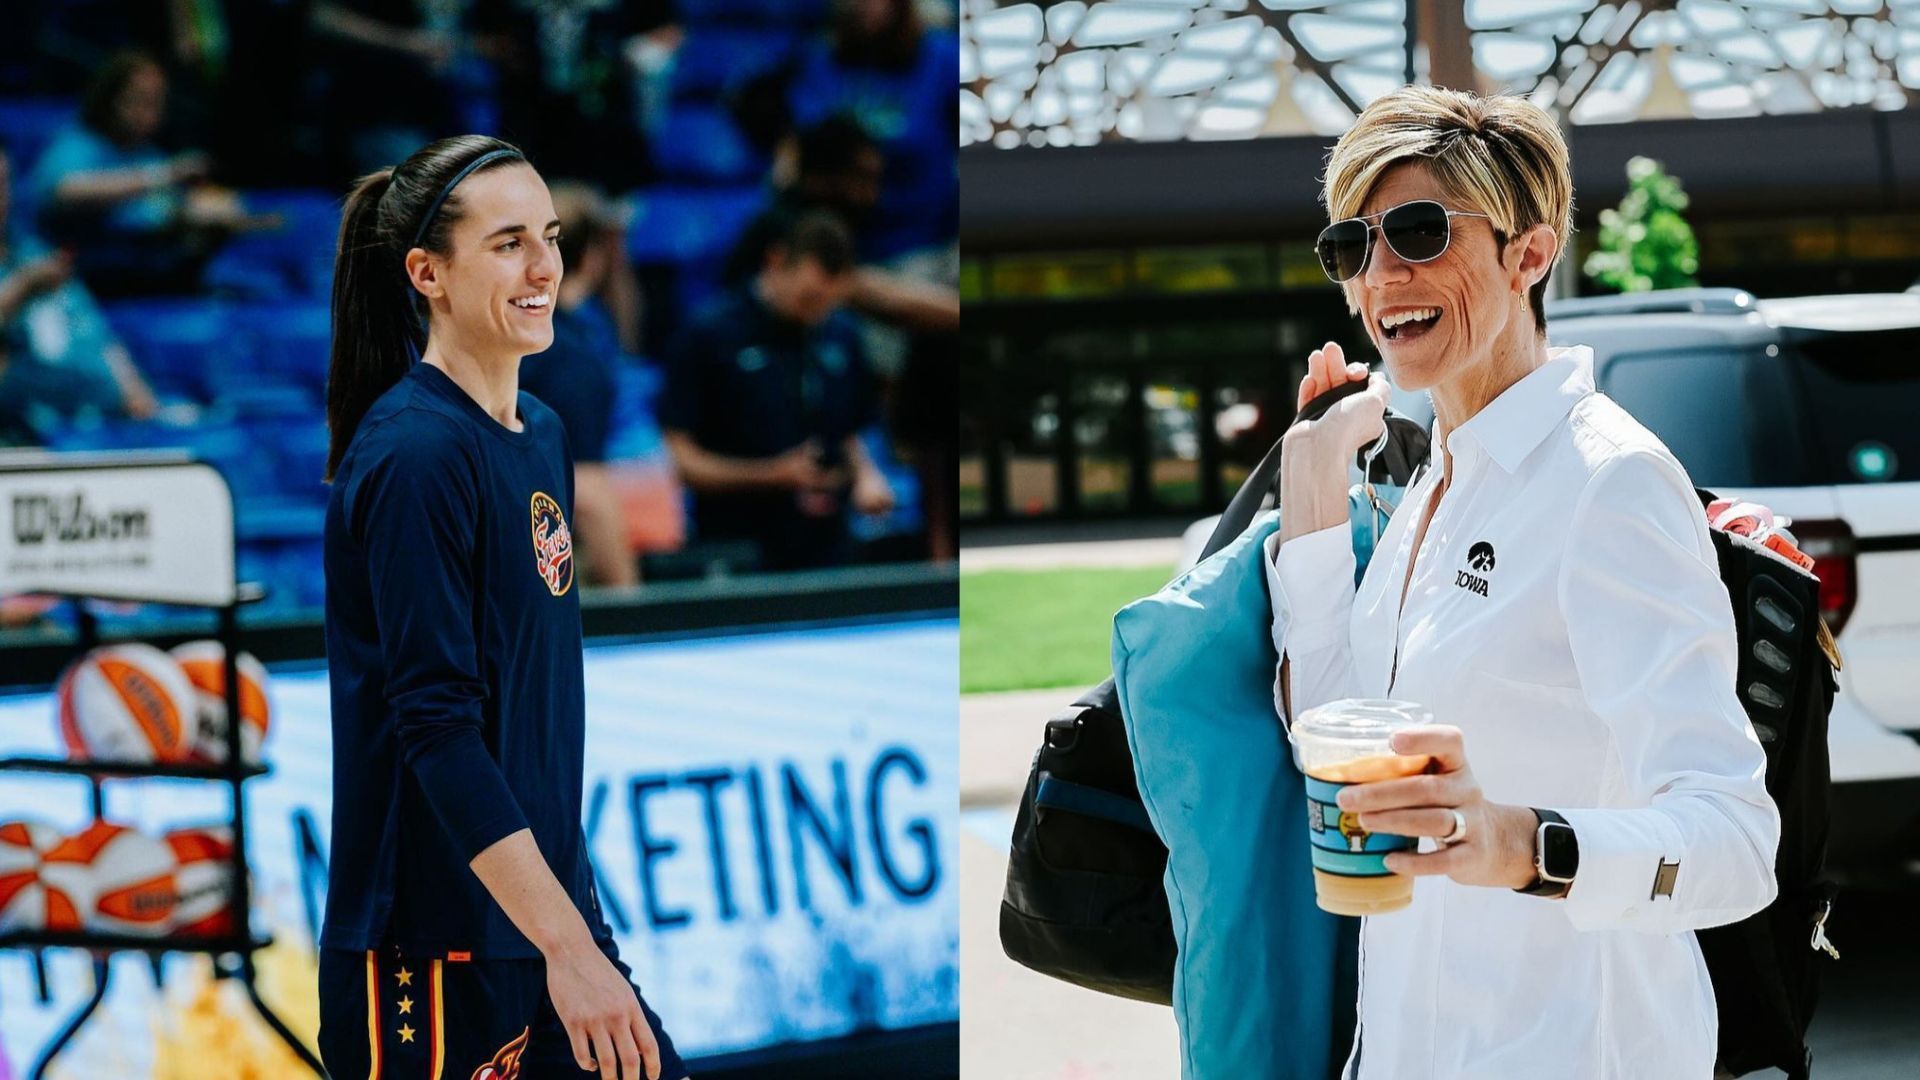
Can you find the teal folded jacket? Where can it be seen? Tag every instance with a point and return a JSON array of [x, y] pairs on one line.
[[1264, 985]]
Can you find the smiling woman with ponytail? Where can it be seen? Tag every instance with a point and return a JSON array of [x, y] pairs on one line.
[[462, 926]]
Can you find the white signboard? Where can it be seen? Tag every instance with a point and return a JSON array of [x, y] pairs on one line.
[[772, 817], [117, 526]]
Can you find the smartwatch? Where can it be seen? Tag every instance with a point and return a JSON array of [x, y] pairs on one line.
[[1556, 856]]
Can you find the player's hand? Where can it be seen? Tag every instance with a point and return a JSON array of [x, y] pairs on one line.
[[609, 1032]]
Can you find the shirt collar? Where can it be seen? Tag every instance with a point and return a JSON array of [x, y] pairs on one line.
[[1507, 428]]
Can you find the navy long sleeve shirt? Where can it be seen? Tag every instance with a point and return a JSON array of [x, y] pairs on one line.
[[454, 652]]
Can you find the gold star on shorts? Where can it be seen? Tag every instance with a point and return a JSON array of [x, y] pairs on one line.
[[406, 1033], [405, 977], [406, 1005]]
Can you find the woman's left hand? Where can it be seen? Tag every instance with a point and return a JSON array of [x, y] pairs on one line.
[[1498, 849]]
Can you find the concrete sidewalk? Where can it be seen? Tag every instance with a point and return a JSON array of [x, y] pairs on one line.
[[1016, 1023], [1149, 551], [998, 735]]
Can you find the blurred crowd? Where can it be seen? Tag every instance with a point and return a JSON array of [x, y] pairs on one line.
[[755, 338]]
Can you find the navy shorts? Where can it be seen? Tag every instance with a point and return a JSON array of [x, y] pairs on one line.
[[388, 1016]]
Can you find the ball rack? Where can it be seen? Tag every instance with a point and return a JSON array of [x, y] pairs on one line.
[[232, 954]]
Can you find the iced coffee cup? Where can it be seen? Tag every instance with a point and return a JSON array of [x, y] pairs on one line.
[[1346, 742]]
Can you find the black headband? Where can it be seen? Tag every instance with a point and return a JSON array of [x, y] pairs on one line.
[[434, 207]]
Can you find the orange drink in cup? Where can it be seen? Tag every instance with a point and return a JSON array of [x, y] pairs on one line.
[[1346, 742]]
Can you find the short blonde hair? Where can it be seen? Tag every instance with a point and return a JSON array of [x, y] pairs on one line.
[[1502, 156]]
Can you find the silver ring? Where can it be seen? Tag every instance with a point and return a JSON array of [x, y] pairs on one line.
[[1459, 832]]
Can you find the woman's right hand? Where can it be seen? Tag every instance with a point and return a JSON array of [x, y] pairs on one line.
[[1317, 453], [1352, 423]]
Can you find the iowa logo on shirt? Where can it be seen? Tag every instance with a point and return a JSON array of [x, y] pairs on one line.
[[1479, 557], [552, 544]]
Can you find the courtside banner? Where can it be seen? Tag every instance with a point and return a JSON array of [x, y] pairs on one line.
[[134, 527], [771, 816]]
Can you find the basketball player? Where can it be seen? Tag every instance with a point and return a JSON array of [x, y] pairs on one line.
[[463, 937]]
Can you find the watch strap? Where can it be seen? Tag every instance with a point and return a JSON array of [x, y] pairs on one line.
[[1542, 885]]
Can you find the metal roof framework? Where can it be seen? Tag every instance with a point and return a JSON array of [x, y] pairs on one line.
[[1074, 73]]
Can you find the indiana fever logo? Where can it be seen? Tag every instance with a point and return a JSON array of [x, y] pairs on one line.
[[552, 544], [506, 1061]]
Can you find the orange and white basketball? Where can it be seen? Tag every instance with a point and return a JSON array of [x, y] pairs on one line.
[[203, 880], [26, 901], [126, 703], [121, 878], [205, 665]]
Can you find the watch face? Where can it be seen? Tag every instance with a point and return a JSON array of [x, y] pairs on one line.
[[1559, 858]]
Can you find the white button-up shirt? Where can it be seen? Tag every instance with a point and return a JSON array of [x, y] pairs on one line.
[[1566, 613]]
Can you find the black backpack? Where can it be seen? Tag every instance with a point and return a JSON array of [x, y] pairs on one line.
[[1085, 899], [1766, 968]]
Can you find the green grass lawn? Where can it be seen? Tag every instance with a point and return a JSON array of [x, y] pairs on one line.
[[1035, 629]]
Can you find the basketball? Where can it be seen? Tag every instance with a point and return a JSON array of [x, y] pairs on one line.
[[203, 880], [205, 666], [27, 902], [126, 703], [121, 879]]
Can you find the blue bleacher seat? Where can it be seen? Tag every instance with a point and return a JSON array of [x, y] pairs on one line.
[[696, 282], [268, 401], [715, 59], [232, 447], [27, 125], [290, 568], [674, 224], [702, 143], [301, 451], [295, 260], [265, 519], [282, 341], [296, 449], [800, 13], [209, 349], [179, 344], [633, 430]]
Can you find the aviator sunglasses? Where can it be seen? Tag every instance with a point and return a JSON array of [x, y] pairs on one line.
[[1417, 232]]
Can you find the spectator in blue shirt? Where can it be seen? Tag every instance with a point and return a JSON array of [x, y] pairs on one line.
[[106, 188], [58, 358]]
